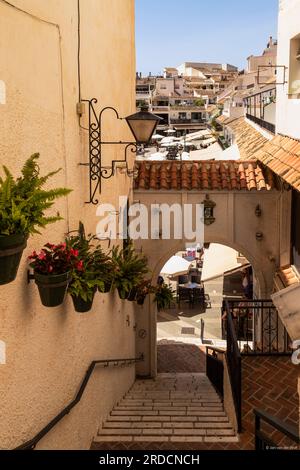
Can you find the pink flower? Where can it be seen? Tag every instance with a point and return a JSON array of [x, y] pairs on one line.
[[42, 255]]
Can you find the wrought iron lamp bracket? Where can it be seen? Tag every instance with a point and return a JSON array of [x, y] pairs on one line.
[[97, 170]]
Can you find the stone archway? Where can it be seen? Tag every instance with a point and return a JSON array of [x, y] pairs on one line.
[[251, 215], [146, 339]]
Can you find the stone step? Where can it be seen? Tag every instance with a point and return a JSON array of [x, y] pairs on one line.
[[160, 439], [172, 408], [166, 424], [141, 412], [204, 406], [165, 432]]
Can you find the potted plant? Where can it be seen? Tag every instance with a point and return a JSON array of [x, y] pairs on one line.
[[164, 296], [23, 203], [89, 276], [130, 268], [52, 271], [143, 289]]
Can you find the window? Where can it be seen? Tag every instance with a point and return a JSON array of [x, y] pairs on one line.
[[294, 78]]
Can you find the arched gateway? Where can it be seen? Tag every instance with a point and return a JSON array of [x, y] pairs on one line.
[[250, 213]]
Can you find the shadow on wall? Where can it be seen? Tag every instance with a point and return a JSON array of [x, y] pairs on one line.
[[174, 356]]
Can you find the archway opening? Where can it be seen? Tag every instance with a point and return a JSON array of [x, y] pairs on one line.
[[201, 280]]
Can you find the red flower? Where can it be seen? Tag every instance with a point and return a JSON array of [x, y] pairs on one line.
[[79, 266], [42, 255]]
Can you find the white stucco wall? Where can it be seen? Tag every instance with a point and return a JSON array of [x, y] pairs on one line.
[[49, 350], [287, 108]]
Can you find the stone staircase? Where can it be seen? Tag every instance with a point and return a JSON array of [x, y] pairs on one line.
[[173, 408]]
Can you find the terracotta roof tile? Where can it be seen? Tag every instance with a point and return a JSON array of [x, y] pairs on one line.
[[203, 175], [282, 156], [248, 139]]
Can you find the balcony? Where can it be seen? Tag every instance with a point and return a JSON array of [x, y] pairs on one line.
[[187, 107], [158, 109], [187, 121], [260, 122]]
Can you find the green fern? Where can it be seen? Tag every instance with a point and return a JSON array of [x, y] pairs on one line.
[[23, 201]]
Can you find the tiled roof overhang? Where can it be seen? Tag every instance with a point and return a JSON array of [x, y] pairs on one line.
[[282, 156], [203, 176], [248, 139]]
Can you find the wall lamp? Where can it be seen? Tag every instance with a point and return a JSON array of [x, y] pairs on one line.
[[142, 126]]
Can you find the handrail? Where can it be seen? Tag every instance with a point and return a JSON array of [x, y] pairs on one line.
[[215, 369], [288, 430], [31, 444], [234, 362], [214, 348]]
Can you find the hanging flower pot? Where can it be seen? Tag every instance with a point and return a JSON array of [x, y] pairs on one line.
[[132, 294], [81, 305], [140, 299], [123, 293], [11, 250], [53, 268], [52, 288], [107, 287]]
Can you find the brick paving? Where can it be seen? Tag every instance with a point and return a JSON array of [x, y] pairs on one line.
[[173, 356], [269, 383]]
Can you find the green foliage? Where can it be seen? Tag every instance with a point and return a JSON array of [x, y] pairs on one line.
[[96, 267], [130, 268], [200, 102], [164, 296], [23, 201]]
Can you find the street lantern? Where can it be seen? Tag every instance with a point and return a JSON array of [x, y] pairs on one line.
[[143, 125]]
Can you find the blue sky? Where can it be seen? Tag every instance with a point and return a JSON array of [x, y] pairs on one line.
[[169, 32]]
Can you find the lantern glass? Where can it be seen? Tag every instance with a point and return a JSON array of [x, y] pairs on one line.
[[143, 125]]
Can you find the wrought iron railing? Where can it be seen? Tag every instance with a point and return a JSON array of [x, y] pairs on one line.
[[264, 442], [215, 368], [257, 325], [31, 444], [234, 362], [260, 122]]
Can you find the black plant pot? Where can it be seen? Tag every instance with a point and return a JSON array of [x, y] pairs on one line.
[[132, 295], [123, 295], [11, 250], [107, 287], [52, 288], [82, 306], [140, 299]]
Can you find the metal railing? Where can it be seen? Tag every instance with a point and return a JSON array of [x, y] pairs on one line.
[[234, 362], [262, 441], [187, 121], [31, 444], [257, 325], [260, 122], [215, 368]]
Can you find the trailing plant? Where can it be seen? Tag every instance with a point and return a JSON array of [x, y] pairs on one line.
[[130, 268], [95, 266], [55, 259], [23, 201], [143, 289], [164, 296]]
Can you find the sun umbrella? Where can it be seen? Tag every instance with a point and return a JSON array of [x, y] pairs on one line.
[[157, 137], [176, 266], [185, 156], [157, 156], [167, 140]]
